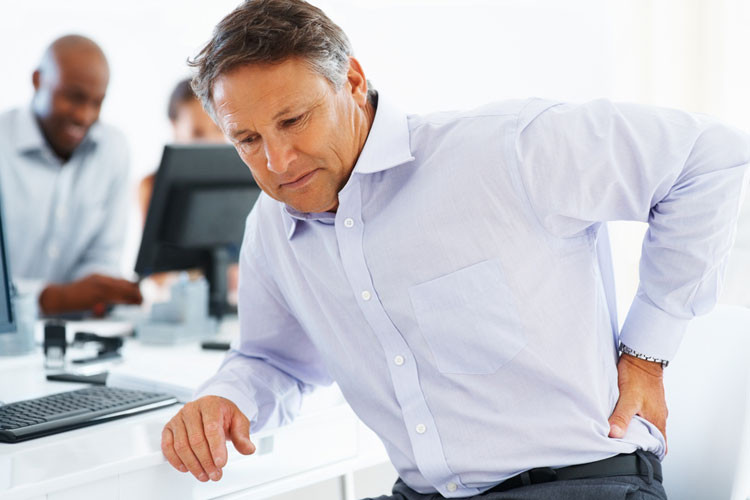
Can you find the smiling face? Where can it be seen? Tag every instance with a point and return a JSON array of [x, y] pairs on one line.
[[299, 136], [68, 96]]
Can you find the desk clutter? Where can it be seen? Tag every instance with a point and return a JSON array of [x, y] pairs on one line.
[[184, 318]]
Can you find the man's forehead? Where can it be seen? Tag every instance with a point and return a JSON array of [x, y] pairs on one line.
[[84, 69], [239, 95]]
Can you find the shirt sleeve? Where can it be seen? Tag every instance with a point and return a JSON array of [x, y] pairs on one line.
[[104, 252], [274, 363], [683, 174]]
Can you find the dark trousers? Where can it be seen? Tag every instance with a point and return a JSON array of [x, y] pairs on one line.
[[607, 488]]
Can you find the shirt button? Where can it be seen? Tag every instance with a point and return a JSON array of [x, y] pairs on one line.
[[52, 251], [421, 429], [451, 487], [398, 360], [349, 222], [366, 295]]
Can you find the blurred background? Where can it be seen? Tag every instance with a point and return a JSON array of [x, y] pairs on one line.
[[428, 54]]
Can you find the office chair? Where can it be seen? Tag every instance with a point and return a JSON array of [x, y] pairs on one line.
[[708, 430]]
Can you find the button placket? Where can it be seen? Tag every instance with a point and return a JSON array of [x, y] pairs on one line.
[[428, 453]]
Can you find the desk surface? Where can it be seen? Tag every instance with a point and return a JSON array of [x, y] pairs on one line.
[[122, 459]]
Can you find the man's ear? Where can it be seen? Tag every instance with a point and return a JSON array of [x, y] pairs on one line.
[[357, 82], [36, 77]]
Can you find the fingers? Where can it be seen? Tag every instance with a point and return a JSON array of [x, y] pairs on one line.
[[626, 407], [213, 427], [195, 439], [120, 290], [184, 450], [195, 429], [239, 432], [167, 447]]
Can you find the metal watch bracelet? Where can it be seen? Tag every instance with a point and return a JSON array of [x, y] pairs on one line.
[[627, 350]]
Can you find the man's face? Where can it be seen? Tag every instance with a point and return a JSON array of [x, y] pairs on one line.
[[68, 98], [299, 136]]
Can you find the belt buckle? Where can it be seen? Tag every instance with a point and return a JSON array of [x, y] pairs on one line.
[[542, 475]]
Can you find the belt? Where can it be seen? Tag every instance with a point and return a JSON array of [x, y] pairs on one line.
[[638, 463]]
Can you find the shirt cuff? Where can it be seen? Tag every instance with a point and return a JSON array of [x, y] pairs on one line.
[[230, 392], [30, 287], [651, 331]]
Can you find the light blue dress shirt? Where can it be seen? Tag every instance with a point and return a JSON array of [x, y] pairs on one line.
[[63, 221], [462, 295]]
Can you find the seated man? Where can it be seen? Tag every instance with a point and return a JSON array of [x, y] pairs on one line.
[[64, 184]]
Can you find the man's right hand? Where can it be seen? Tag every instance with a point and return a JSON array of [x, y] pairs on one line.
[[87, 294], [195, 439]]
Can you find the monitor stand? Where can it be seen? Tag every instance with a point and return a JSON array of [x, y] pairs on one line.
[[216, 274]]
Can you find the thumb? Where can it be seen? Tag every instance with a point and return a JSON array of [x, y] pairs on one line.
[[239, 433], [621, 416]]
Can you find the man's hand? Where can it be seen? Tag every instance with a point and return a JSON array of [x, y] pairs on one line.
[[195, 439], [641, 393], [92, 293]]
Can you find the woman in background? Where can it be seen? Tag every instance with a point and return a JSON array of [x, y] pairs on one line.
[[190, 125]]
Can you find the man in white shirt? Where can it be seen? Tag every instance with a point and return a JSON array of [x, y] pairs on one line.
[[63, 177], [451, 272]]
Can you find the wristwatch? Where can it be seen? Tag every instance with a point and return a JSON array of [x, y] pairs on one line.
[[627, 350]]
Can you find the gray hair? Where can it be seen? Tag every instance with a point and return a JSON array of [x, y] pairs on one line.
[[268, 32]]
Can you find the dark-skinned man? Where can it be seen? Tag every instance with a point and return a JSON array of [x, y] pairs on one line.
[[63, 177]]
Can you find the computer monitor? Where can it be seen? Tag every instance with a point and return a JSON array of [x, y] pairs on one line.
[[7, 316], [196, 218]]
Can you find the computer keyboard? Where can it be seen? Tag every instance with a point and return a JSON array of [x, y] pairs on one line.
[[60, 412]]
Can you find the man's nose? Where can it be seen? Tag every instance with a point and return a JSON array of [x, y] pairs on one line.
[[279, 155], [86, 114]]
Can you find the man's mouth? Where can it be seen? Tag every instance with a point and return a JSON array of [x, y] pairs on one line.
[[75, 132], [301, 181]]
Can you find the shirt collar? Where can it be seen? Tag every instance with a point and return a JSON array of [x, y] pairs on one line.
[[29, 135], [387, 146]]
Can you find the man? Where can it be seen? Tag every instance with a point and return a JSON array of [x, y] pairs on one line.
[[64, 185], [451, 272]]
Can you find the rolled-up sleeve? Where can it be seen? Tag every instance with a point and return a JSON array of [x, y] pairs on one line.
[[683, 174]]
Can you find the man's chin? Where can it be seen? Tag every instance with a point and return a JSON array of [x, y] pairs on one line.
[[66, 146], [312, 207]]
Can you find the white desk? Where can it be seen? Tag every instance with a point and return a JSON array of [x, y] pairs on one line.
[[122, 459]]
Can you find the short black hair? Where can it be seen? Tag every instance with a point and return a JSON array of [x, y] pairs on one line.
[[181, 94]]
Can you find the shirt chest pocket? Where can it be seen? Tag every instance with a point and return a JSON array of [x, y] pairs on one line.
[[469, 319]]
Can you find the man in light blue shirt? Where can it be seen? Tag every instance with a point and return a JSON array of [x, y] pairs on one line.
[[451, 272], [64, 181]]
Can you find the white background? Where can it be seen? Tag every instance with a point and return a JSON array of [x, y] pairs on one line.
[[429, 55]]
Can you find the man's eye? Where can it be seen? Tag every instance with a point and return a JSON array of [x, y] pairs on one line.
[[292, 121], [248, 140]]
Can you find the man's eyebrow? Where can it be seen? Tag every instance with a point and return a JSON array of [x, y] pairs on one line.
[[282, 112], [236, 133]]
